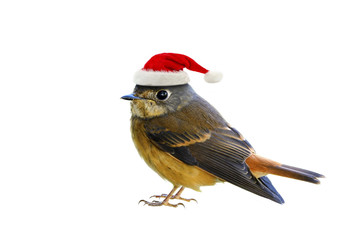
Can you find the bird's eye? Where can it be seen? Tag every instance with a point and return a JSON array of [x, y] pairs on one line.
[[162, 94]]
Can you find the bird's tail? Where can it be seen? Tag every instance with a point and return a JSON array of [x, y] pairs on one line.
[[296, 173], [261, 166]]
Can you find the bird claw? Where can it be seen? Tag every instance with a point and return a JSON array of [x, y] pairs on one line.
[[155, 203], [159, 196], [179, 204], [174, 197], [142, 201]]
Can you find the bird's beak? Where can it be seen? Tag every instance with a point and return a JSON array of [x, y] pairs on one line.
[[130, 97]]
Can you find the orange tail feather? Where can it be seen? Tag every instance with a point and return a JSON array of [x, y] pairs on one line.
[[261, 166]]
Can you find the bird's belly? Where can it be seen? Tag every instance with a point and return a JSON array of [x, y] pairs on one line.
[[167, 166]]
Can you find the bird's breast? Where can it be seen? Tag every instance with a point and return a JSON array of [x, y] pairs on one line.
[[167, 166]]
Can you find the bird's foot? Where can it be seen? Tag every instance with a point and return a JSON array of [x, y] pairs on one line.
[[174, 197], [158, 203]]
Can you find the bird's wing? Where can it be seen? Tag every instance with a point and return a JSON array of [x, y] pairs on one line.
[[221, 151]]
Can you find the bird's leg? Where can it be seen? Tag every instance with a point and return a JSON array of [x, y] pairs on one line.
[[165, 202], [176, 196]]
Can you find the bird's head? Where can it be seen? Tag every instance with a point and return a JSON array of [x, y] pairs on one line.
[[149, 102]]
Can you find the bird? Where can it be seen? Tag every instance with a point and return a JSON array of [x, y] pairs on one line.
[[186, 140]]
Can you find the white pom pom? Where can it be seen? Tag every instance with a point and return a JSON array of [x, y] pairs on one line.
[[213, 77]]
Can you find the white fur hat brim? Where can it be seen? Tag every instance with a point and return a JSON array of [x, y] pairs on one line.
[[160, 78]]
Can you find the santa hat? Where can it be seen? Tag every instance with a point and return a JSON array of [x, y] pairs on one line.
[[166, 69]]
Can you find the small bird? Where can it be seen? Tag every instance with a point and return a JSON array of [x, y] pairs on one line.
[[185, 139]]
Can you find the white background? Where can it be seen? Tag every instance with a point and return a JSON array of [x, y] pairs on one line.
[[68, 167]]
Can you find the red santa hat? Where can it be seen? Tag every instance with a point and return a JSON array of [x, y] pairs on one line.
[[166, 69]]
